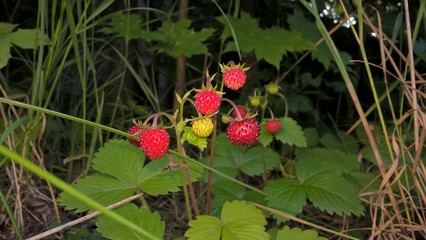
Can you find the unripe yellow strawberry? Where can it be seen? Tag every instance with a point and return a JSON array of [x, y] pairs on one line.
[[202, 127], [272, 88], [255, 100]]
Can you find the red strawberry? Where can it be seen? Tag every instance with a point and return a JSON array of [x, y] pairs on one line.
[[234, 76], [243, 133], [207, 101], [273, 126], [242, 110], [136, 131], [155, 142]]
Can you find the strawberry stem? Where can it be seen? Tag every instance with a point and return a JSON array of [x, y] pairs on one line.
[[271, 112], [285, 103], [234, 106]]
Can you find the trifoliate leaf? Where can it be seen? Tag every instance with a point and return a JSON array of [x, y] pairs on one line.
[[286, 195], [125, 25], [291, 133], [104, 190], [265, 137], [192, 138], [151, 222], [120, 159], [297, 234], [238, 221], [230, 159], [177, 38]]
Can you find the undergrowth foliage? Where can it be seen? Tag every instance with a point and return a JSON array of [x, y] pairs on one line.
[[261, 142]]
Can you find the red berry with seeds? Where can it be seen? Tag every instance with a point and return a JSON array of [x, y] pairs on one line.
[[136, 131], [242, 110], [273, 126], [234, 76], [207, 101], [243, 133], [155, 142]]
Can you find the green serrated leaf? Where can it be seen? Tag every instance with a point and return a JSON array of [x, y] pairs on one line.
[[238, 221], [291, 133], [120, 159], [105, 190], [155, 179], [297, 234], [225, 190], [333, 194], [286, 196], [318, 161], [4, 51], [268, 44], [204, 227], [125, 25], [230, 159], [242, 221], [28, 38], [142, 216], [265, 137], [192, 138], [177, 39]]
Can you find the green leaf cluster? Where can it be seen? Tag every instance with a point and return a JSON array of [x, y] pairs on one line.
[[23, 38], [269, 44], [177, 38], [238, 221], [288, 233], [125, 25], [330, 179], [230, 159], [121, 171]]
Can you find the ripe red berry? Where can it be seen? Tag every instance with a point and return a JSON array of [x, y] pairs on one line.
[[243, 133], [273, 126], [207, 102], [155, 143], [234, 78], [136, 131], [242, 110]]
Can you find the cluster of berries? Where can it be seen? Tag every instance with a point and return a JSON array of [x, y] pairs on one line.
[[243, 129]]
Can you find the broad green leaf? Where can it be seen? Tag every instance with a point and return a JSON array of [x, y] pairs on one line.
[[297, 234], [128, 26], [105, 190], [333, 194], [4, 51], [193, 139], [151, 222], [6, 27], [242, 221], [343, 142], [204, 227], [268, 44], [265, 137], [291, 133], [230, 159], [27, 38], [24, 38], [312, 136], [286, 195], [177, 39], [238, 221], [368, 154], [225, 190], [318, 161], [120, 159], [156, 179]]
